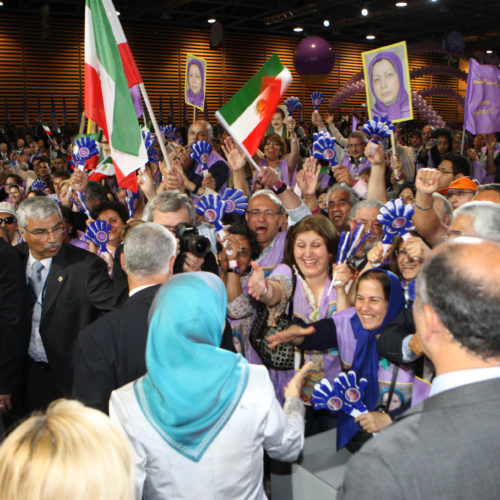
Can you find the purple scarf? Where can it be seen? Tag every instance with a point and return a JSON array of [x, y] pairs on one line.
[[191, 97]]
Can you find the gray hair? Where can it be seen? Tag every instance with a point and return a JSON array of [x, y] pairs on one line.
[[358, 134], [169, 201], [272, 196], [37, 207], [447, 208], [364, 204], [486, 218], [210, 130], [353, 197], [148, 250]]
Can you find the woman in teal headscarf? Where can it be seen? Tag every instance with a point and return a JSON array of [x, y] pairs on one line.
[[201, 416]]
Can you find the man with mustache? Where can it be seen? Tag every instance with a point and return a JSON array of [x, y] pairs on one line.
[[68, 287]]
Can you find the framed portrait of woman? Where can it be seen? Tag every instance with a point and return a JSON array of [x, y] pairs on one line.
[[387, 79], [196, 73]]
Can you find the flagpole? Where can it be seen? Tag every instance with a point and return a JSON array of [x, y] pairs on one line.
[[463, 141], [82, 124], [155, 124]]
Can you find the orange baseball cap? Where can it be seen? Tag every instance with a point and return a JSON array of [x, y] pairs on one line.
[[461, 183]]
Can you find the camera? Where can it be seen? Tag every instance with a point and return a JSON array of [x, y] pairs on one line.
[[191, 241]]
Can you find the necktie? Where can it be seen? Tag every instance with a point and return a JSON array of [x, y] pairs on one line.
[[36, 281]]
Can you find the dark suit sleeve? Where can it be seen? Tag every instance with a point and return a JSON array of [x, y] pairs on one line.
[[220, 172], [324, 338], [98, 286], [14, 324], [390, 342]]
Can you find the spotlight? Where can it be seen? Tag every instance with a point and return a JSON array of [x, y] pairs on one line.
[[326, 23], [401, 4], [298, 29], [211, 20], [370, 37], [489, 52], [364, 12]]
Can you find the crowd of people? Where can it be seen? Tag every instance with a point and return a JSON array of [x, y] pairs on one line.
[[155, 326]]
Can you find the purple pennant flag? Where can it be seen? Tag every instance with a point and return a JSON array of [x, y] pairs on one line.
[[135, 92], [355, 122], [482, 109], [160, 115]]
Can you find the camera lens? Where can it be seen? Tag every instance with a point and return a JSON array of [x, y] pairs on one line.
[[200, 246]]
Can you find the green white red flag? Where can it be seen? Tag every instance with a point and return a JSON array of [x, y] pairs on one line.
[[47, 130], [110, 71], [248, 113]]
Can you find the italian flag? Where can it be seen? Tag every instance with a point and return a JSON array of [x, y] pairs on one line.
[[109, 72], [248, 114]]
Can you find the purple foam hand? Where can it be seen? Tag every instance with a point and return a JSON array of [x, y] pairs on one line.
[[98, 233], [211, 206], [235, 201], [148, 139], [395, 218], [324, 398], [292, 103], [324, 148], [153, 156], [169, 131], [38, 185], [84, 148], [351, 392], [378, 128], [200, 152], [130, 198], [317, 99]]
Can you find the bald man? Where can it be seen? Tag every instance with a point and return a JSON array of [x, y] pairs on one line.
[[447, 446]]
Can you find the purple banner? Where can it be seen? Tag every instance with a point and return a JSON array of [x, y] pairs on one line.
[[482, 99]]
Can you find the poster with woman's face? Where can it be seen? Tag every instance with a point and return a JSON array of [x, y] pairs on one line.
[[196, 72], [387, 80]]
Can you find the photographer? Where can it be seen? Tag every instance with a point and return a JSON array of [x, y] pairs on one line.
[[175, 211]]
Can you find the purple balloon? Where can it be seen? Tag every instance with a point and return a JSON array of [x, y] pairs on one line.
[[314, 56]]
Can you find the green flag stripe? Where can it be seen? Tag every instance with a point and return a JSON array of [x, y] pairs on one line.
[[125, 133], [247, 94]]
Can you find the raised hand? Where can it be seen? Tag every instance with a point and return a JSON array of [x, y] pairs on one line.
[[427, 180], [294, 334], [294, 387], [268, 177], [257, 284], [307, 178], [235, 157]]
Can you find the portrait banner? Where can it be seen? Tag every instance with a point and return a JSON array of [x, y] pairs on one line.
[[195, 81], [387, 82]]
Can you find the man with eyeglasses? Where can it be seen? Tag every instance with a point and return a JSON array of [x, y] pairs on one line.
[[9, 222], [68, 288], [355, 161]]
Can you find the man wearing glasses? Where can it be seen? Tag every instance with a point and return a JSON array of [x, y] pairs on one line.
[[68, 287]]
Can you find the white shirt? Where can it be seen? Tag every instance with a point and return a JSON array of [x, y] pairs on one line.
[[36, 350], [138, 289], [452, 380]]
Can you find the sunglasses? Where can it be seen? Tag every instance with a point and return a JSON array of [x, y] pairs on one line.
[[8, 220]]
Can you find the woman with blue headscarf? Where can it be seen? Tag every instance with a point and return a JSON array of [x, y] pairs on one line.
[[354, 331], [388, 86], [201, 417]]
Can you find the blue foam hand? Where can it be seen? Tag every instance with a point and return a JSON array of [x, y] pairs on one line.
[[395, 218], [85, 149], [153, 156], [130, 198], [346, 387], [148, 139], [169, 131], [200, 152], [292, 103], [235, 201], [324, 149], [211, 206], [98, 233], [378, 128], [38, 185], [324, 398], [317, 99]]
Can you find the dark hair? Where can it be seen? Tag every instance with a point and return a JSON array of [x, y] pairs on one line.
[[119, 208], [460, 164], [321, 225], [96, 192], [61, 174], [67, 214], [17, 178], [381, 277], [280, 111], [466, 303], [278, 139], [488, 187], [242, 229], [435, 154]]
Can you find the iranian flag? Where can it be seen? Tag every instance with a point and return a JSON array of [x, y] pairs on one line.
[[103, 170], [109, 72], [47, 130], [248, 114]]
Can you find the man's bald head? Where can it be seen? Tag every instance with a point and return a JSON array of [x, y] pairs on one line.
[[461, 283], [200, 130]]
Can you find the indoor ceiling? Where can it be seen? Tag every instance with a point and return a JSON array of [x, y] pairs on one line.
[[419, 21]]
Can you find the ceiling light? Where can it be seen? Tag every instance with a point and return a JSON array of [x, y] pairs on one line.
[[370, 37], [401, 4], [364, 12], [1, 4], [298, 29], [326, 23], [489, 52], [211, 20], [117, 12]]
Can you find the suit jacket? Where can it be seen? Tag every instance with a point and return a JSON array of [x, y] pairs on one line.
[[14, 322], [446, 447], [77, 289]]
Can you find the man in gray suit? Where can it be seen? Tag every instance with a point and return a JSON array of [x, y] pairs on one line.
[[447, 446]]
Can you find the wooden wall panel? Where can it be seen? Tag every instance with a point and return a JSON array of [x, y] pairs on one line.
[[40, 67]]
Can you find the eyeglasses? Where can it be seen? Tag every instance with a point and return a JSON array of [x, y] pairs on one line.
[[8, 220], [459, 193], [267, 213], [44, 233]]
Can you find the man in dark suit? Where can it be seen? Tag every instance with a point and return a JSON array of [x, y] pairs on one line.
[[68, 287], [447, 446], [14, 327], [110, 352]]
